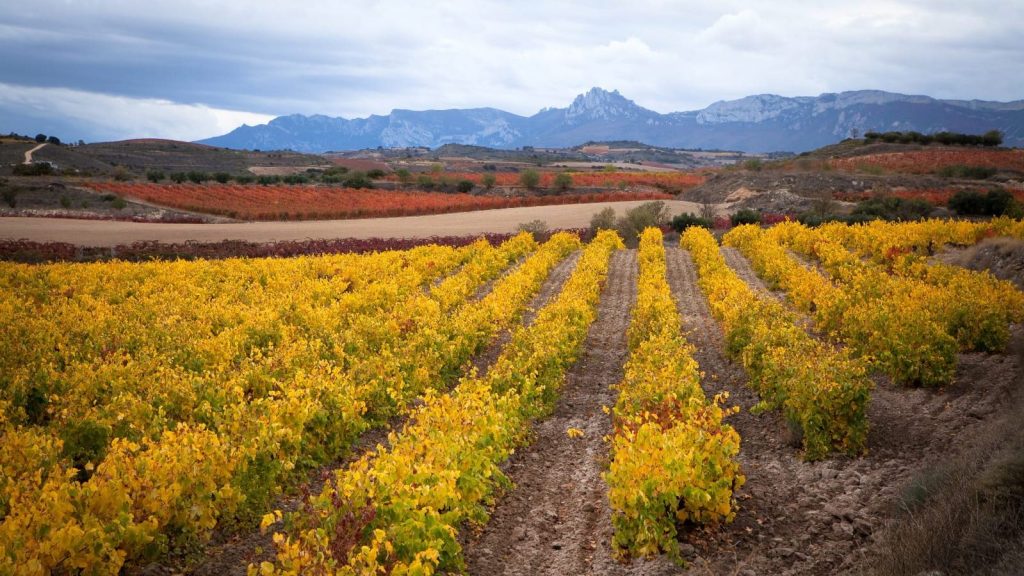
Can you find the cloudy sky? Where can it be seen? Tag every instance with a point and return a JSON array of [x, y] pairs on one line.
[[112, 69]]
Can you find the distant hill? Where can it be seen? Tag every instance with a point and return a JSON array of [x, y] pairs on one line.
[[761, 123]]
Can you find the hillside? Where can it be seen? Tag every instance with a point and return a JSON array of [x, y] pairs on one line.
[[135, 157]]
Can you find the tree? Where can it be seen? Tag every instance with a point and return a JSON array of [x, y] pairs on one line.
[[40, 138], [465, 186], [563, 181], [53, 140], [603, 220], [530, 179], [222, 177], [155, 176], [646, 215], [404, 176], [488, 181], [535, 227]]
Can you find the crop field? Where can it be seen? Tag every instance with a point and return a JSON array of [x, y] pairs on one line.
[[304, 202], [507, 407], [928, 161], [670, 181]]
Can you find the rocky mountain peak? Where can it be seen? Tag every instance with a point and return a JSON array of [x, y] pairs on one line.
[[598, 103]]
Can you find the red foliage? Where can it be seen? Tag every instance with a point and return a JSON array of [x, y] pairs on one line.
[[32, 252], [928, 161], [675, 181], [288, 202]]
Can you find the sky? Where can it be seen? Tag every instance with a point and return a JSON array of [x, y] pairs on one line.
[[187, 69]]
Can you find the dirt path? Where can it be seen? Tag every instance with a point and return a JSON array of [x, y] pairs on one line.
[[107, 233], [823, 518], [231, 556], [28, 153], [552, 286], [556, 520]]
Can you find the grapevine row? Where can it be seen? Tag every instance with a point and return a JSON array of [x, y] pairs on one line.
[[182, 482], [909, 317], [822, 392], [398, 510], [673, 460]]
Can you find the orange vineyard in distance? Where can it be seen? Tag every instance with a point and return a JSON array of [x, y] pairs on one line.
[[927, 161], [303, 202], [670, 181]]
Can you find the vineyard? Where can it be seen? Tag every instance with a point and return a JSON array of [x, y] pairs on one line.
[[674, 182], [509, 406], [309, 202], [928, 161]]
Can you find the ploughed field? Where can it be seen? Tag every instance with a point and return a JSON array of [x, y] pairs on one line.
[[565, 407]]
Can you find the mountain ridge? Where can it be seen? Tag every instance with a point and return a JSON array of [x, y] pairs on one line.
[[755, 123]]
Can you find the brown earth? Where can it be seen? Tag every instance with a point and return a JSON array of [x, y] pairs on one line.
[[557, 519], [1003, 257], [795, 518], [839, 516], [97, 233]]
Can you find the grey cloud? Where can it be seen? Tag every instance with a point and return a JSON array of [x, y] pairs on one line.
[[358, 58]]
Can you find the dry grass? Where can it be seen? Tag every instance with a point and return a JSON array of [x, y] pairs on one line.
[[965, 516]]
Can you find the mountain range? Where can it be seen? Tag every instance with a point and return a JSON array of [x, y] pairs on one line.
[[760, 123]]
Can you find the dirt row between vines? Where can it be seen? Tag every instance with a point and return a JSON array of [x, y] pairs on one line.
[[795, 517], [231, 554]]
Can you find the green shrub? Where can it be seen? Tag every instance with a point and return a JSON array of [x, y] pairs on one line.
[[375, 174], [536, 227], [745, 216], [197, 177], [892, 208], [404, 176], [530, 179], [245, 179], [295, 179], [425, 182], [996, 202], [563, 181], [119, 204], [222, 177], [357, 180], [683, 221], [155, 175], [969, 172], [465, 186], [489, 180], [636, 220], [603, 220], [178, 177]]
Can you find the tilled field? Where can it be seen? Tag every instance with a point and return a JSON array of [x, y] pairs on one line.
[[833, 516], [796, 517]]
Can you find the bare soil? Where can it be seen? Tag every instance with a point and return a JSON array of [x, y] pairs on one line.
[[795, 517], [556, 520], [506, 220], [1003, 257]]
